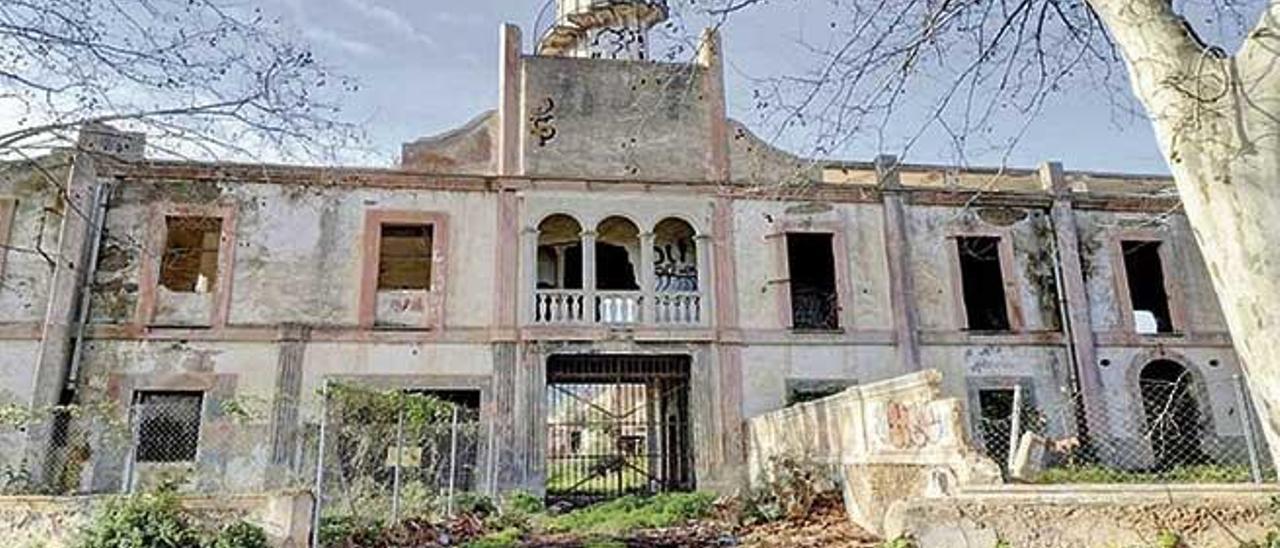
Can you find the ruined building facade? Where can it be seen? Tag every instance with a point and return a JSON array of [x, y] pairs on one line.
[[605, 225]]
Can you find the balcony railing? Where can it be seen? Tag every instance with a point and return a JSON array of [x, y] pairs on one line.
[[677, 308], [568, 307], [560, 306]]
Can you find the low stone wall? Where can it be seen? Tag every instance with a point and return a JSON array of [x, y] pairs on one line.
[[53, 522], [1085, 516], [885, 441]]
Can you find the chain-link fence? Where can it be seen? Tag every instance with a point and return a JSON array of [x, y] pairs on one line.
[[1176, 429], [390, 455]]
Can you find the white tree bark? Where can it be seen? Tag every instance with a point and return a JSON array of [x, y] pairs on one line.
[[1217, 118]]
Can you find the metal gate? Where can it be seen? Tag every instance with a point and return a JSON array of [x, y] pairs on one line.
[[617, 425]]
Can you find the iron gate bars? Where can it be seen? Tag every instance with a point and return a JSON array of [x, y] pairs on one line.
[[617, 425]]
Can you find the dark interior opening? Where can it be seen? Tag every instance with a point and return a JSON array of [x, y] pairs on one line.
[[168, 426], [404, 261], [1146, 282], [1174, 422], [614, 271], [995, 408], [983, 284], [812, 265]]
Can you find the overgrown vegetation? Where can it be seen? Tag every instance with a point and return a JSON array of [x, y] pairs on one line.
[[157, 520], [632, 513]]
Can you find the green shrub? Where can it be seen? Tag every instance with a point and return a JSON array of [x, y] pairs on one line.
[[632, 513], [152, 520], [505, 538], [900, 542], [337, 530], [474, 504], [240, 534]]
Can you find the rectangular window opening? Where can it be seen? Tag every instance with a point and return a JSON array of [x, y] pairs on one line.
[[168, 425], [814, 301], [190, 261], [983, 284], [404, 262], [439, 439], [1147, 294], [995, 408]]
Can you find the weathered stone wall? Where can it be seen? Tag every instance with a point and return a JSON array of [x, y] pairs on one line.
[[887, 441], [616, 119], [1086, 516], [55, 522]]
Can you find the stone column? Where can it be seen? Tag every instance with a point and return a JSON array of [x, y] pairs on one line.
[[898, 253], [529, 275], [702, 252], [1075, 297], [648, 307], [589, 276]]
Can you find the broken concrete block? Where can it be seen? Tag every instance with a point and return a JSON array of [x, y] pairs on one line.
[[1028, 459]]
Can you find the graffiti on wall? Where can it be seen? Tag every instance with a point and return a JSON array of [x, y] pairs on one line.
[[909, 425], [675, 267]]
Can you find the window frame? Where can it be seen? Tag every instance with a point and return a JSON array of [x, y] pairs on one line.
[[782, 271], [1172, 284], [1009, 279], [371, 255], [139, 416], [157, 238]]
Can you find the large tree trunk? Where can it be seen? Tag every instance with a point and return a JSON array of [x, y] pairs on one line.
[[1217, 118]]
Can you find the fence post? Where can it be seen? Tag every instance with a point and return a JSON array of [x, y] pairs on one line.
[[395, 482], [453, 460], [132, 453], [319, 488], [1015, 427], [1246, 424]]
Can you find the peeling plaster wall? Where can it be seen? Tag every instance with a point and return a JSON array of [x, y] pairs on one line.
[[758, 257], [615, 119], [930, 232], [298, 249], [1099, 231], [25, 275]]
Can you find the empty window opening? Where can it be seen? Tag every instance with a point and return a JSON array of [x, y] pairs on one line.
[[1145, 272], [983, 284], [168, 426], [436, 456], [190, 261], [617, 255], [614, 269], [812, 266], [559, 253], [1172, 412], [617, 425], [404, 260]]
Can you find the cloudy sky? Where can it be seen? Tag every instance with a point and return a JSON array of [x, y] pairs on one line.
[[429, 65]]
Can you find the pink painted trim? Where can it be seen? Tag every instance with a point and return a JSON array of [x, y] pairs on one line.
[[723, 274], [1012, 284], [371, 250], [1172, 282], [505, 275], [157, 233], [844, 286], [7, 213], [509, 119]]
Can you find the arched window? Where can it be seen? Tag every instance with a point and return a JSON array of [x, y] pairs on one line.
[[559, 253], [675, 257], [1174, 422], [617, 255]]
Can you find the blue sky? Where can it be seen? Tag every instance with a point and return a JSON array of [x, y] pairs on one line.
[[430, 65]]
